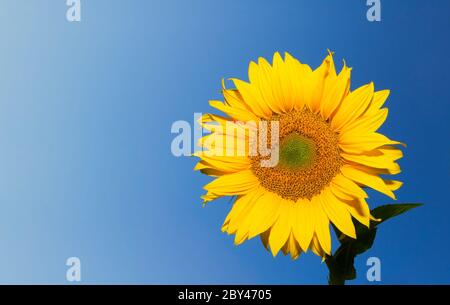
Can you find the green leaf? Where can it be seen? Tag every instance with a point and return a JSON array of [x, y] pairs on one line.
[[387, 211], [341, 263]]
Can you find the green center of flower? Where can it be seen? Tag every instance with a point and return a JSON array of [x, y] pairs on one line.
[[296, 152]]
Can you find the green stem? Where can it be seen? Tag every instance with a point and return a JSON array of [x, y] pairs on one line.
[[333, 277]]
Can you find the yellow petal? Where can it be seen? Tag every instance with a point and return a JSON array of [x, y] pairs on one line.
[[243, 229], [352, 106], [209, 196], [376, 171], [235, 113], [282, 83], [316, 248], [357, 206], [242, 206], [281, 229], [212, 118], [252, 96], [348, 186], [264, 214], [262, 78], [334, 94], [322, 224], [393, 185], [291, 247], [233, 143], [223, 125], [379, 97], [337, 213], [233, 98], [241, 236], [359, 209], [392, 152], [279, 103], [233, 184], [223, 164], [294, 247], [298, 73], [315, 82], [356, 144], [366, 179], [338, 192], [366, 123], [303, 227], [265, 238], [378, 161]]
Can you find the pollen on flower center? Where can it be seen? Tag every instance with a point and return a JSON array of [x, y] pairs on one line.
[[309, 156]]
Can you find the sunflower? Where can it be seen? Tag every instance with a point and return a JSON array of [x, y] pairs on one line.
[[329, 153]]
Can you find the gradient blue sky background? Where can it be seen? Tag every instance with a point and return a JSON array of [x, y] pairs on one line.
[[85, 115]]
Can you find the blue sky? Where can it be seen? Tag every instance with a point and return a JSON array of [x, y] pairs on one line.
[[85, 115]]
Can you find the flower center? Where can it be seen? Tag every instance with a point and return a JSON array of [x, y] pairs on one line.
[[309, 156], [296, 152]]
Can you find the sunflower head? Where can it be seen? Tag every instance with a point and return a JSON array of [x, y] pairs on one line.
[[327, 150]]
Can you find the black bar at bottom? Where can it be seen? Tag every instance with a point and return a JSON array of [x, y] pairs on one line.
[[219, 294]]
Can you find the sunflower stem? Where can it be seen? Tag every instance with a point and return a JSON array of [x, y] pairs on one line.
[[336, 275]]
